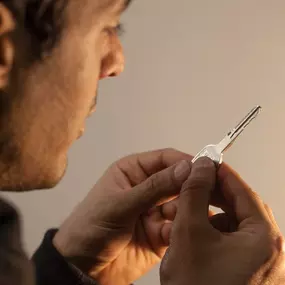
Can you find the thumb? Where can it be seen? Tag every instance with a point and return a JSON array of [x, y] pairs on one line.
[[158, 188], [196, 192]]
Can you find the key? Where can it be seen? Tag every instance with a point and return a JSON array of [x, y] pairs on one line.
[[215, 152]]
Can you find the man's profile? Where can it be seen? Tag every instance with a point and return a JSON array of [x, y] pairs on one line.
[[52, 55]]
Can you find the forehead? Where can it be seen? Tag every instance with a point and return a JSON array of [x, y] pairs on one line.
[[85, 15], [97, 7]]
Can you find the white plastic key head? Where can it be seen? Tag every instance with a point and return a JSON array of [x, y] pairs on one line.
[[211, 152]]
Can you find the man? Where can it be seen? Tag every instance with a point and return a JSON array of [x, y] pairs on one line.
[[52, 55]]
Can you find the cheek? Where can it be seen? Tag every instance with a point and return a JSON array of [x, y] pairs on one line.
[[53, 115], [76, 90], [87, 85], [79, 60], [59, 94], [81, 78]]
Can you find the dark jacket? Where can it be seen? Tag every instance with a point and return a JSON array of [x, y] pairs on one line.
[[47, 267]]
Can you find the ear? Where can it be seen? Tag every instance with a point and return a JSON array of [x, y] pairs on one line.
[[7, 25]]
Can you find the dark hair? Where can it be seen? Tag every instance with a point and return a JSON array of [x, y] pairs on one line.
[[41, 19]]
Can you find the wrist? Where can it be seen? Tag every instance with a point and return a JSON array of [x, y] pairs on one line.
[[61, 244], [67, 247], [74, 250]]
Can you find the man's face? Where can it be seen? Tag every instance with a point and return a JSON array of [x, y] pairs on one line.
[[51, 99]]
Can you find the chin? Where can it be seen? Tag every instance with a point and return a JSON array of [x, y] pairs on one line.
[[42, 177], [53, 176]]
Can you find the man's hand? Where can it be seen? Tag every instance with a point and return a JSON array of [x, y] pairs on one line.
[[117, 233], [242, 246]]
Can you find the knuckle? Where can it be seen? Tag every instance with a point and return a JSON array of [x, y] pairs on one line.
[[267, 208], [169, 210], [280, 244], [255, 196], [152, 182], [175, 154], [123, 162], [155, 181], [165, 152], [124, 158], [170, 149], [161, 184]]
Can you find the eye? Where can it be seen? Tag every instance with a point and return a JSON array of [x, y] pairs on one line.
[[120, 29], [117, 30]]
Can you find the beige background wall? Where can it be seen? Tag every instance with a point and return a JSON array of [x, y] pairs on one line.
[[194, 68]]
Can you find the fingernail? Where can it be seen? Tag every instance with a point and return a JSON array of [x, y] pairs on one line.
[[182, 171]]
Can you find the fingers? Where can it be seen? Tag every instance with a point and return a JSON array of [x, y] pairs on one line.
[[158, 188], [157, 229], [169, 209], [240, 199], [151, 231], [140, 166], [196, 192], [166, 233], [164, 215]]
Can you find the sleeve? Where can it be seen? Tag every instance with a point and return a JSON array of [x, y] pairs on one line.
[[52, 269]]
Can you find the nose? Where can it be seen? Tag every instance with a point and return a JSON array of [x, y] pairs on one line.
[[114, 61]]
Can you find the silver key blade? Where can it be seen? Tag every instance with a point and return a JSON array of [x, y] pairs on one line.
[[215, 152], [229, 139]]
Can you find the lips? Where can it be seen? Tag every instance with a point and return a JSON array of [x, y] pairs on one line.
[[91, 111], [81, 132], [93, 107]]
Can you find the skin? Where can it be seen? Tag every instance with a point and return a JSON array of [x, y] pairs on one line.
[[58, 93], [244, 245], [45, 104], [122, 228]]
